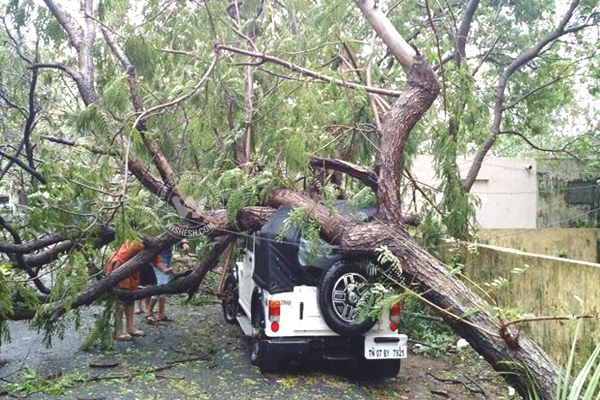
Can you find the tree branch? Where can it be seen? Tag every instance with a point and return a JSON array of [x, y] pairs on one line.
[[363, 174], [399, 47], [534, 91], [31, 246], [12, 104], [187, 282], [19, 260], [159, 108], [129, 70], [102, 236], [501, 88], [533, 145], [75, 37], [134, 165], [29, 124], [266, 58], [93, 292], [248, 218], [16, 44], [60, 66], [73, 143], [82, 43], [24, 166], [463, 30], [421, 90]]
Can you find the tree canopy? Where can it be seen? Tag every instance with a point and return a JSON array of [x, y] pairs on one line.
[[104, 104]]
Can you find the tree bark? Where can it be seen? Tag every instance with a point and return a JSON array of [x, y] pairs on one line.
[[421, 90], [82, 42]]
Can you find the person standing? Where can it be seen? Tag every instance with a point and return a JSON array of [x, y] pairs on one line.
[[162, 272], [147, 278], [126, 252]]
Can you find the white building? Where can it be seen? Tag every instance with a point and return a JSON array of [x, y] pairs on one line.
[[506, 186]]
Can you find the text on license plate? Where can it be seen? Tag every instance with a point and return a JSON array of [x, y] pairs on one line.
[[384, 352]]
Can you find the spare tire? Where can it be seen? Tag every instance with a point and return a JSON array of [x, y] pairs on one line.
[[339, 291]]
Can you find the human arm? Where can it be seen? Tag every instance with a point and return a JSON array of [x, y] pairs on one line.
[[161, 266]]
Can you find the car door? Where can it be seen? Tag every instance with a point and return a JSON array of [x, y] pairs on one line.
[[245, 274]]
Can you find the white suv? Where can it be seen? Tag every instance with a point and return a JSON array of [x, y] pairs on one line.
[[296, 308]]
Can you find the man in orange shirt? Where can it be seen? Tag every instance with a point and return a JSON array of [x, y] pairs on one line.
[[126, 252]]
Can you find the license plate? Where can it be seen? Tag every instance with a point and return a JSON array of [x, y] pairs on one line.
[[382, 347]]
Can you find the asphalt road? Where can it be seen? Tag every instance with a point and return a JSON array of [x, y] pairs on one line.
[[199, 356], [221, 368]]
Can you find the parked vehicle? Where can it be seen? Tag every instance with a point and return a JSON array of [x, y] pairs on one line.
[[296, 307]]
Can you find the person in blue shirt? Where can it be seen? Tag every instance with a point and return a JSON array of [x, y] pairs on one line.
[[162, 278]]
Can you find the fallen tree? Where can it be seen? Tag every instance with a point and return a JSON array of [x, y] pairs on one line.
[[503, 347]]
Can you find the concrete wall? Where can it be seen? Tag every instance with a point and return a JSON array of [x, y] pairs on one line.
[[506, 186], [569, 195], [577, 244], [551, 286], [523, 193]]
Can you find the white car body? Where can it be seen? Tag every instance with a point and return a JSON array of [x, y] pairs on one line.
[[300, 315]]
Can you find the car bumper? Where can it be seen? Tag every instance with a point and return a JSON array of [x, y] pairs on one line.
[[334, 348]]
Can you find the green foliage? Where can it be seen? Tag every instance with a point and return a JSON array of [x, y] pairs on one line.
[[102, 331], [116, 96], [296, 156], [457, 207], [431, 232], [300, 217], [363, 198], [415, 320], [142, 54], [293, 117], [417, 323], [587, 381], [375, 298], [585, 385], [31, 382], [6, 304], [93, 121], [389, 260], [242, 191]]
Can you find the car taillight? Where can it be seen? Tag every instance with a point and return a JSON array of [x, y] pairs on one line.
[[274, 326], [395, 312], [274, 310]]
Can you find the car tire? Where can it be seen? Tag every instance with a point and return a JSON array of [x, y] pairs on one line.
[[337, 300], [255, 353], [230, 300], [257, 357]]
